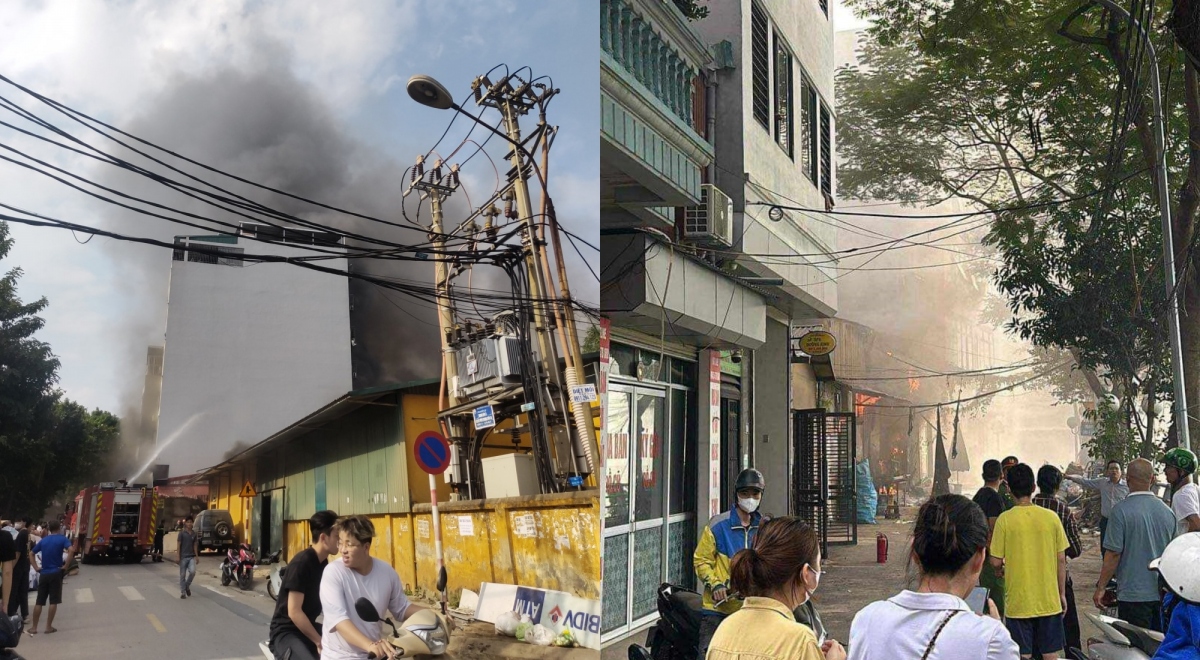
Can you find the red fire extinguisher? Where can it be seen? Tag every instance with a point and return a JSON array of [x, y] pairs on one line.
[[881, 548]]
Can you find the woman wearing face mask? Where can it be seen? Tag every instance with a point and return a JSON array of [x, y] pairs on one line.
[[777, 575], [949, 546]]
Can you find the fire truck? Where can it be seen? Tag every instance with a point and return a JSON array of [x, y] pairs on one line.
[[115, 520]]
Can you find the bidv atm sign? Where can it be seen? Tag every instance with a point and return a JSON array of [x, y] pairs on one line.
[[555, 610]]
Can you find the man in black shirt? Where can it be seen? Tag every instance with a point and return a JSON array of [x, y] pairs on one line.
[[20, 591], [294, 626], [8, 557], [988, 498]]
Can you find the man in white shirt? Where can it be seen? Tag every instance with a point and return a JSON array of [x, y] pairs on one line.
[[359, 575], [1185, 495], [1112, 489]]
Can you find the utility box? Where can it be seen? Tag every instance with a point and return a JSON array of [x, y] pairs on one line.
[[510, 475]]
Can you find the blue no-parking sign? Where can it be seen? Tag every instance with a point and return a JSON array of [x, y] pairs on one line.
[[432, 452]]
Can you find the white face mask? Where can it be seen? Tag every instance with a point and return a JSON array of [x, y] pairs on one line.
[[748, 504]]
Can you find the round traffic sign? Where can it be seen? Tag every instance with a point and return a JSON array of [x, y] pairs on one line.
[[432, 452]]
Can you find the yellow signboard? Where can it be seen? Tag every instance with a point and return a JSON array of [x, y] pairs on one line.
[[818, 342], [248, 490]]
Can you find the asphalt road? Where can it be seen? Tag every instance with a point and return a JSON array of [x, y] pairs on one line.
[[134, 612]]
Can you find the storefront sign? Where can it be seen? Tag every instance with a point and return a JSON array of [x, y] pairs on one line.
[[818, 342], [714, 438], [556, 610]]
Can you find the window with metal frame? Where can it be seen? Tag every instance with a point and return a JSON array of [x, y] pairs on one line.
[[760, 66], [783, 96], [808, 129], [826, 152]]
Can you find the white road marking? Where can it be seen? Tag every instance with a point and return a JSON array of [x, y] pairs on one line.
[[118, 576], [219, 591], [84, 596], [131, 593], [171, 590]]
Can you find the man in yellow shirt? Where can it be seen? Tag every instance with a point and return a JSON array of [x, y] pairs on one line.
[[1029, 545]]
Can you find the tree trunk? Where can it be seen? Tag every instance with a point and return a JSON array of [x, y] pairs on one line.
[[1187, 261]]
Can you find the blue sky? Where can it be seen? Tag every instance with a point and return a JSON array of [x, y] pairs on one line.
[[119, 60]]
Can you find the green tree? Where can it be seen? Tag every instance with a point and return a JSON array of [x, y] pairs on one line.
[[591, 341], [1008, 105], [48, 444]]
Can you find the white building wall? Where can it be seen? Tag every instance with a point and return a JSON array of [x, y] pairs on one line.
[[249, 350]]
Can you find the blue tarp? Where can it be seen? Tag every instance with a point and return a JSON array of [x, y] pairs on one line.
[[868, 499]]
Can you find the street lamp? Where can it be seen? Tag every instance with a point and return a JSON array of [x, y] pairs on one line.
[[427, 91]]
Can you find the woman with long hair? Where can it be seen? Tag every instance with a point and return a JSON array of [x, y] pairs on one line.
[[934, 622], [775, 576]]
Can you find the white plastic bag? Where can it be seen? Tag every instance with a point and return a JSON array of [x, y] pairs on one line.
[[539, 635], [33, 578], [506, 623]]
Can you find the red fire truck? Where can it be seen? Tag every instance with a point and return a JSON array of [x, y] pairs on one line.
[[115, 519]]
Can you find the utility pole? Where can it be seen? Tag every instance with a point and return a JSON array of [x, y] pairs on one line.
[[1164, 205]]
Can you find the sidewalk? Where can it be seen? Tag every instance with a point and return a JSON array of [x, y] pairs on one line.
[[472, 640]]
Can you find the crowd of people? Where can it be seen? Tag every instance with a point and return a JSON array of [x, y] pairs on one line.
[[1007, 549], [33, 556]]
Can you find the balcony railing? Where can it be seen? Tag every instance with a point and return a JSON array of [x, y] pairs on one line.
[[633, 42]]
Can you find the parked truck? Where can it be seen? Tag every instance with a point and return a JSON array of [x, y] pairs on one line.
[[115, 520]]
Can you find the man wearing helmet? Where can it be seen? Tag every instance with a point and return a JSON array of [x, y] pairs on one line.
[[1181, 605], [726, 534], [1185, 495]]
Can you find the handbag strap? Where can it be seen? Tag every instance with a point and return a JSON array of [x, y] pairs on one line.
[[938, 632]]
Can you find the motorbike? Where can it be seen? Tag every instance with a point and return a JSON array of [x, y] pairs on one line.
[[238, 566], [1122, 641], [424, 633], [676, 636], [11, 629], [275, 581]]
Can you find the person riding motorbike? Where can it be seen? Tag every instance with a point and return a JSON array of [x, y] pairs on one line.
[[725, 535], [1181, 606], [1185, 495], [294, 626]]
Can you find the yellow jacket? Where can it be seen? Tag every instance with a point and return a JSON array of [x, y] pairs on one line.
[[721, 539], [763, 628]]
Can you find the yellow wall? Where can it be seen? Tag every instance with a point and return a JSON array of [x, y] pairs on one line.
[[223, 493], [420, 415]]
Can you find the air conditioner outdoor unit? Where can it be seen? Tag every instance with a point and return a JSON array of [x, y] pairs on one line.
[[710, 223], [489, 363]]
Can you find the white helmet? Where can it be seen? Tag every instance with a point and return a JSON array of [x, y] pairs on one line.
[[1177, 566]]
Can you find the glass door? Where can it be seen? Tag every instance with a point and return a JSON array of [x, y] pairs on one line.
[[635, 506]]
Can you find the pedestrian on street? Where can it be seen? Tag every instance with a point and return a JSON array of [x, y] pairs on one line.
[[988, 498], [359, 575], [726, 535], [1112, 489], [1185, 495], [50, 581], [188, 549], [1181, 606], [20, 592], [949, 550], [294, 628], [1138, 532], [776, 575], [1049, 478], [1029, 543], [8, 560], [1005, 492]]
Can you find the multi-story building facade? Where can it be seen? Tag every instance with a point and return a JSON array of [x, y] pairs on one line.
[[695, 351], [250, 347]]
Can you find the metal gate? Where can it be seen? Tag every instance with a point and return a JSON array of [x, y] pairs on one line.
[[823, 483]]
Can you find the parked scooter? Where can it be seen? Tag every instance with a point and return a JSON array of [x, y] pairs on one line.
[[424, 633], [11, 629], [1122, 641], [676, 636], [275, 581], [238, 566]]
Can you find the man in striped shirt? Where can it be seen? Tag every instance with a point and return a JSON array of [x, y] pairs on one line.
[[1049, 478]]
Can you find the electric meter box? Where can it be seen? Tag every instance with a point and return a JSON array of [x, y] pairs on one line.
[[510, 475]]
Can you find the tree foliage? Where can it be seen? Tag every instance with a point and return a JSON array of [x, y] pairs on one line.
[[1008, 104], [49, 445]]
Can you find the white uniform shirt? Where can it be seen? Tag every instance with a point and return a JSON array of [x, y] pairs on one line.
[[901, 627], [341, 586], [1185, 502]]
